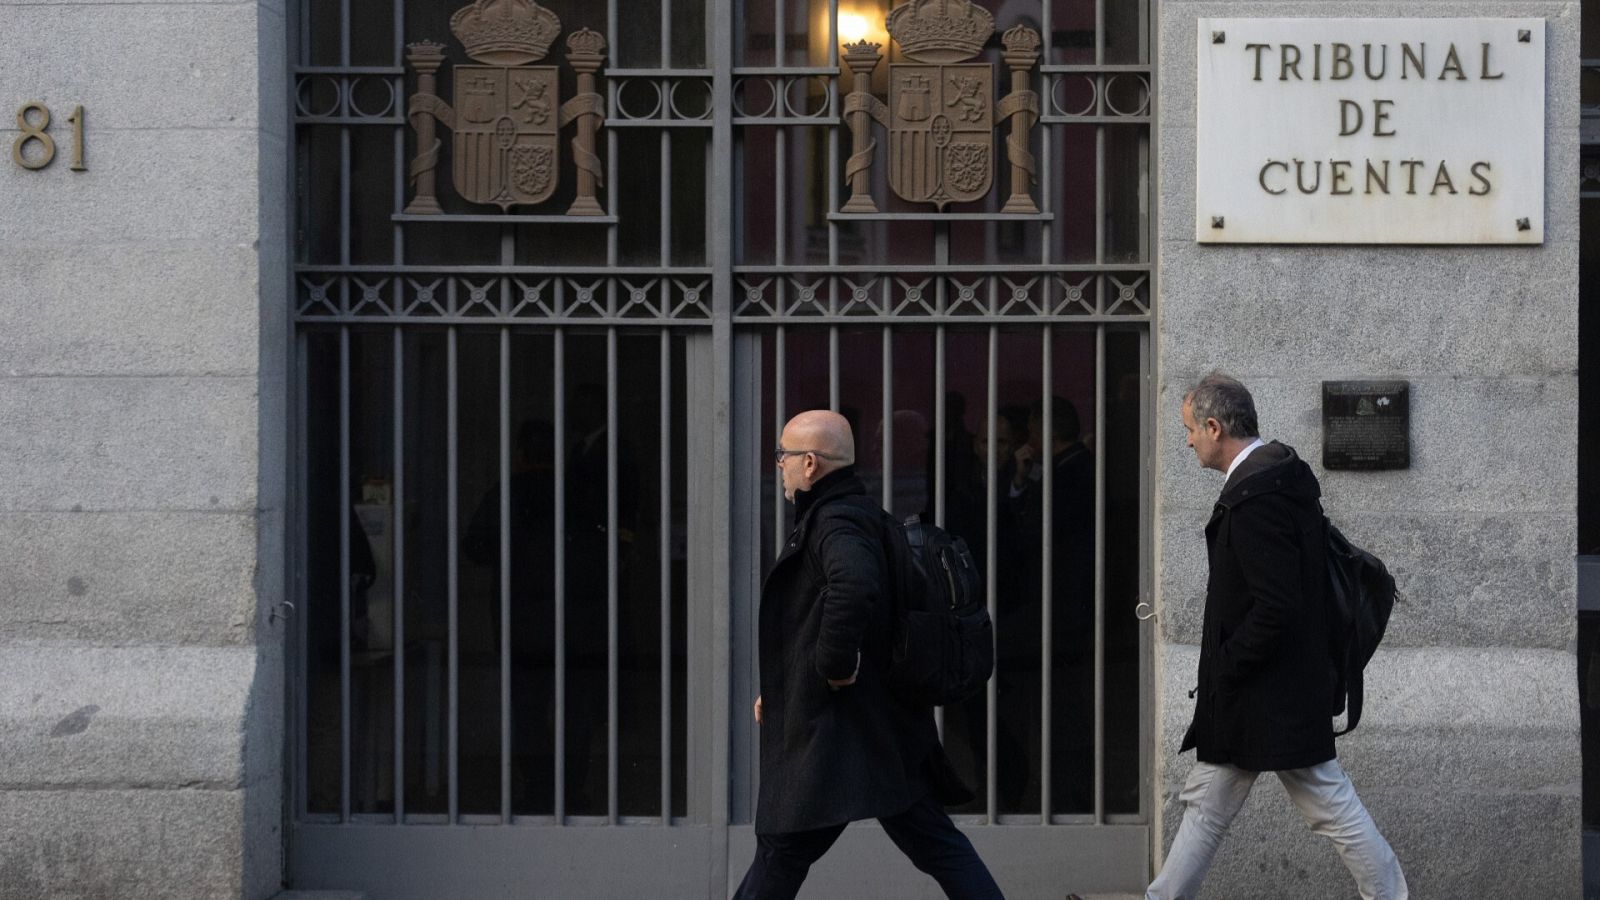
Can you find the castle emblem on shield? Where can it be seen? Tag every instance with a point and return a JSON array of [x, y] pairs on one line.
[[941, 113], [507, 115]]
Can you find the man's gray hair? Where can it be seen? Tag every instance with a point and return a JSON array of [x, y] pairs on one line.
[[1220, 397]]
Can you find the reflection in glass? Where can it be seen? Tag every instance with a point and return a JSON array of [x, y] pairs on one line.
[[477, 593]]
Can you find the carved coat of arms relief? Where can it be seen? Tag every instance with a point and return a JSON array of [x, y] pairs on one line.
[[942, 113], [507, 116]]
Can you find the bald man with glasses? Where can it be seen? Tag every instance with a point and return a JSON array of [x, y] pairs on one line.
[[837, 745]]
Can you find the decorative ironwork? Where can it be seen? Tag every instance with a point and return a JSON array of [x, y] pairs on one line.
[[947, 296], [1074, 96], [361, 97], [507, 116], [941, 113], [601, 297]]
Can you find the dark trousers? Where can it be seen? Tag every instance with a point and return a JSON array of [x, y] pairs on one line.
[[924, 833]]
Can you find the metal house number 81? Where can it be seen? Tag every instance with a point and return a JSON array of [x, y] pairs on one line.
[[33, 120]]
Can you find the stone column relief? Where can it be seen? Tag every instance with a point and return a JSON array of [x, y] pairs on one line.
[[1021, 106], [941, 112], [507, 114]]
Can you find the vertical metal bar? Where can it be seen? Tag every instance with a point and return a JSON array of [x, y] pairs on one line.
[[398, 16], [505, 575], [780, 34], [666, 35], [886, 451], [939, 431], [1047, 199], [344, 38], [1100, 199], [344, 216], [1102, 302], [612, 562], [780, 206], [1099, 573], [990, 559], [397, 508], [1047, 543], [665, 561], [1146, 573], [780, 382], [304, 24], [1099, 32], [558, 360], [612, 163], [833, 367], [665, 245], [833, 137], [452, 573], [399, 188], [344, 574], [302, 710], [939, 426], [713, 770]]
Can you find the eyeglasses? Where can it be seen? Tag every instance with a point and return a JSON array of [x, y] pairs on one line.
[[780, 453]]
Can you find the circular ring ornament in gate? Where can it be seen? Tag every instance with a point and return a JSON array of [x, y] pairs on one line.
[[1141, 92], [310, 87], [700, 96], [803, 110], [629, 88], [358, 86], [746, 98], [1059, 98]]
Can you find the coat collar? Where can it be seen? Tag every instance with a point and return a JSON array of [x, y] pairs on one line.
[[1272, 468], [837, 483]]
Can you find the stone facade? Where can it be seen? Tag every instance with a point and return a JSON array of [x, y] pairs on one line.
[[1468, 751], [142, 345]]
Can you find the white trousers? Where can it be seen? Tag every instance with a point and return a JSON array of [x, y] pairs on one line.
[[1214, 794]]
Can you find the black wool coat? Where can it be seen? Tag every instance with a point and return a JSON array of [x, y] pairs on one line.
[[1265, 696], [834, 756]]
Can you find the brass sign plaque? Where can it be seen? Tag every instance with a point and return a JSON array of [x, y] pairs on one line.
[[942, 113], [1366, 425], [507, 115]]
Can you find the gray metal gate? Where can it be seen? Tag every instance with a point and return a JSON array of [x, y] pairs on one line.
[[534, 494]]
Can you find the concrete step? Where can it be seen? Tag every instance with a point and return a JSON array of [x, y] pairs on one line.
[[320, 895]]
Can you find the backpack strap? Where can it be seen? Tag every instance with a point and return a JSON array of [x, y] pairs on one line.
[[1352, 701]]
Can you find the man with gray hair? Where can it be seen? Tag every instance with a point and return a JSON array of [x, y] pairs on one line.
[[1265, 699]]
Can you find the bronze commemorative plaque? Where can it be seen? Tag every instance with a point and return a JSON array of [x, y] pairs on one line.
[[1366, 425]]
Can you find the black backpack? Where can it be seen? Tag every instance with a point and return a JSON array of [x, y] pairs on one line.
[[1361, 594], [943, 641]]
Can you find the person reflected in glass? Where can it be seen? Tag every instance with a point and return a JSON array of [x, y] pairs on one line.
[[1013, 663], [532, 536], [1071, 598], [588, 564]]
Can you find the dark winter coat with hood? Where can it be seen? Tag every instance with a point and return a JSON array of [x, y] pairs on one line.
[[834, 756], [1266, 687]]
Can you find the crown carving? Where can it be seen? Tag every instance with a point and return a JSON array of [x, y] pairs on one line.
[[940, 31], [586, 42], [505, 32], [1021, 39]]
